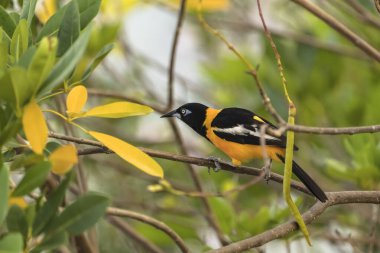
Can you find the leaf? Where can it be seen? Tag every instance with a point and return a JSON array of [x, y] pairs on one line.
[[52, 24], [27, 12], [33, 178], [20, 85], [4, 54], [6, 22], [88, 10], [16, 220], [69, 28], [11, 243], [98, 58], [4, 179], [17, 201], [63, 159], [51, 242], [7, 90], [82, 214], [224, 213], [45, 10], [67, 62], [130, 153], [76, 99], [20, 40], [49, 209], [118, 110], [35, 127], [42, 62]]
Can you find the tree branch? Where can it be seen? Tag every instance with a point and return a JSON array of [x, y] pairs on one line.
[[150, 221], [334, 198], [129, 231], [100, 149], [181, 15], [341, 28]]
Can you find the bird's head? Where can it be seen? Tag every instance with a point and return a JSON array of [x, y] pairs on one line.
[[193, 114]]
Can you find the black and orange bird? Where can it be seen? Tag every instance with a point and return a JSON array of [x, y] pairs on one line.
[[236, 132]]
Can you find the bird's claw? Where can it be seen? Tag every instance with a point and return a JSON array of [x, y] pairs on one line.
[[216, 163]]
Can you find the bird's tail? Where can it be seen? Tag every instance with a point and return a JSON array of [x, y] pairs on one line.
[[307, 181]]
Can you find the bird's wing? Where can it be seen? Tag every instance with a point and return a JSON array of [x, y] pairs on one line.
[[243, 126]]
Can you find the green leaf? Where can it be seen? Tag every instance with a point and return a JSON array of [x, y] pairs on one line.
[[52, 25], [22, 89], [98, 58], [27, 12], [4, 3], [52, 242], [88, 10], [20, 40], [6, 22], [11, 243], [42, 62], [82, 214], [69, 28], [33, 178], [7, 91], [67, 62], [16, 221], [4, 179], [50, 208], [224, 213], [4, 54]]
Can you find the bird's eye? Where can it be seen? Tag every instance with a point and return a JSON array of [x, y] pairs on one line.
[[183, 111]]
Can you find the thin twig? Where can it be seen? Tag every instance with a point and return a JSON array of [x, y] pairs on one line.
[[251, 70], [129, 231], [367, 16], [181, 15], [100, 149], [334, 198], [209, 214], [150, 221], [341, 28], [377, 4], [239, 26]]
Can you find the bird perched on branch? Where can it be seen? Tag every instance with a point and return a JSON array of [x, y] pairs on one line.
[[236, 132]]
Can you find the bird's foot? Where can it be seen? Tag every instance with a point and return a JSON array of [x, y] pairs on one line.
[[267, 170], [216, 162]]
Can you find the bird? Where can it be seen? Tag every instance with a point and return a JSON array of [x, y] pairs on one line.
[[236, 132]]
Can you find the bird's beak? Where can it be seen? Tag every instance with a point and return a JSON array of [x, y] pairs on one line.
[[173, 113]]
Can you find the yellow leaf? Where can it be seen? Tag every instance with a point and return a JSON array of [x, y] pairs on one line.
[[18, 201], [45, 9], [35, 127], [118, 110], [130, 153], [75, 101], [207, 5], [63, 159], [113, 9]]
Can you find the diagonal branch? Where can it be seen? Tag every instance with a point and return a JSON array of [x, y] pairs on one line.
[[334, 198], [100, 149], [341, 28], [150, 221]]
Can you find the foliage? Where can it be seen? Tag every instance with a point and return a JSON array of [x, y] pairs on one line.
[[62, 71]]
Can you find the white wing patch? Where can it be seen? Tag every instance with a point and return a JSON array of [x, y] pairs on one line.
[[241, 130]]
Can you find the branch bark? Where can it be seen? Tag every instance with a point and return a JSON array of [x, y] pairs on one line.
[[150, 221], [341, 28], [335, 198]]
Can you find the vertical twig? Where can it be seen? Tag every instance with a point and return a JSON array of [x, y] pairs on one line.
[[251, 70], [209, 214], [289, 135], [181, 15]]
